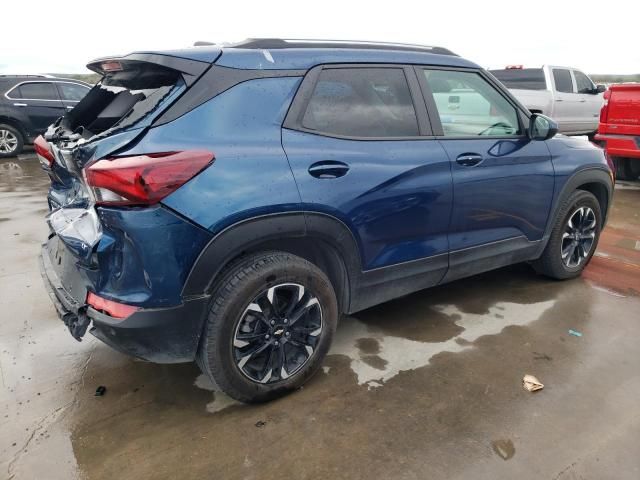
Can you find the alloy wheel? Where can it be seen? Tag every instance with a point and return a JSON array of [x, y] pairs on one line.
[[277, 333], [578, 237], [8, 141]]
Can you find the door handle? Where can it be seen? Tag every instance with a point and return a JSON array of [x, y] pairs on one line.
[[20, 105], [558, 99], [328, 169], [69, 107], [469, 159]]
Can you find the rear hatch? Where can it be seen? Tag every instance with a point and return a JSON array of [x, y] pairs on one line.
[[133, 91]]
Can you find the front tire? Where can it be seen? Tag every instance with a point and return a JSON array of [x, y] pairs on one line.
[[270, 325], [11, 141], [574, 237]]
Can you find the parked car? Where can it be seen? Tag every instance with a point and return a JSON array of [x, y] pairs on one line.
[[619, 128], [565, 94], [228, 204], [29, 104]]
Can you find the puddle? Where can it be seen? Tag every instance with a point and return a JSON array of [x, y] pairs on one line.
[[376, 357], [24, 175], [220, 401]]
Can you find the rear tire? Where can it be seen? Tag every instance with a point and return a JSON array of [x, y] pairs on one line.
[[11, 141], [578, 219], [270, 325]]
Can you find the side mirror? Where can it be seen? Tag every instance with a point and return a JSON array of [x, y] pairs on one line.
[[541, 127], [600, 89]]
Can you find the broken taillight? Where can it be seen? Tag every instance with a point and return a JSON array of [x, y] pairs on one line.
[[43, 151], [144, 179], [111, 308]]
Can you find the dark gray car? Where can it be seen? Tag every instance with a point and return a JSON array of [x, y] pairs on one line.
[[29, 104]]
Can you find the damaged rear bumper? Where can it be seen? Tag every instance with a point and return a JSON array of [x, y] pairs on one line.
[[160, 335]]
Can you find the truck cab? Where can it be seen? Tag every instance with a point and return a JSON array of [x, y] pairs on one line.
[[565, 94]]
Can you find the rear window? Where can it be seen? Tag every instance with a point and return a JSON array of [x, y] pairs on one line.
[[362, 102], [72, 92], [122, 98], [522, 79], [35, 91]]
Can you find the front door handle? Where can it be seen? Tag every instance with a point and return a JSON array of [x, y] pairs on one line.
[[469, 159], [20, 105], [328, 169]]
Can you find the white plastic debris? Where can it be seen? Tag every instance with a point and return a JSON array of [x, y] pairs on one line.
[[531, 383]]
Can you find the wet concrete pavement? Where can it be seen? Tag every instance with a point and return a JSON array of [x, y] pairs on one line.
[[428, 386]]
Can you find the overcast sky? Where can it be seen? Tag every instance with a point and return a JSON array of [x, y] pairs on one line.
[[62, 36]]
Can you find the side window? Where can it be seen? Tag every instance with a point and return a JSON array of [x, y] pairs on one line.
[[14, 93], [583, 84], [562, 79], [468, 105], [362, 102], [72, 92], [37, 91]]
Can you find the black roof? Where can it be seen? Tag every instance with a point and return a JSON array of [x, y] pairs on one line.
[[277, 43]]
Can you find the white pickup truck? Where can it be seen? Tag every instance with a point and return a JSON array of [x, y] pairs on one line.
[[565, 94]]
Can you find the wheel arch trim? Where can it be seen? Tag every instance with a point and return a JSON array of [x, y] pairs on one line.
[[590, 175], [249, 234]]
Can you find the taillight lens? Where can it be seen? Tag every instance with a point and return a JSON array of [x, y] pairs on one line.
[[43, 150], [144, 179], [604, 111], [111, 308]]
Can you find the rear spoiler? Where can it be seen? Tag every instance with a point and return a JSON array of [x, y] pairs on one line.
[[190, 69]]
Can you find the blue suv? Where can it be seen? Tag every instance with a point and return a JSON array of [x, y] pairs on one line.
[[226, 204]]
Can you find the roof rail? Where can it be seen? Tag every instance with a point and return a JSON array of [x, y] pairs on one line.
[[23, 76], [277, 43]]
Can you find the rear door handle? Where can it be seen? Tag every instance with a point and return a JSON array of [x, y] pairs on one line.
[[20, 105], [328, 169], [469, 159]]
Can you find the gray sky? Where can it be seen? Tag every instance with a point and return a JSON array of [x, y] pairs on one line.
[[598, 37]]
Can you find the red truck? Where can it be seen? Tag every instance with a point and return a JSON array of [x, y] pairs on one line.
[[619, 129]]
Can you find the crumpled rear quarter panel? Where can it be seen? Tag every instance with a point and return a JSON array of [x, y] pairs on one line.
[[145, 255]]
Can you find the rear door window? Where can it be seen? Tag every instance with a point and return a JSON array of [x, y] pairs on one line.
[[35, 91], [72, 92], [362, 102], [468, 105], [562, 79], [583, 84]]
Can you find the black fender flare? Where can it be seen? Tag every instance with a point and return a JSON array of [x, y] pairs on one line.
[[251, 233], [590, 175]]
